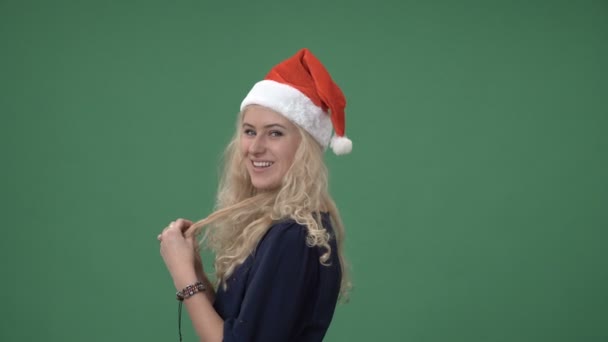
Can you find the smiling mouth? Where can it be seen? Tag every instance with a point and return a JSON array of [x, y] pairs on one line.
[[261, 164]]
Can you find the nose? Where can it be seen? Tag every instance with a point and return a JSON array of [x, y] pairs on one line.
[[257, 146]]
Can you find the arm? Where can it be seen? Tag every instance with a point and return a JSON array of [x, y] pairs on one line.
[[281, 276], [200, 274], [205, 320], [179, 253]]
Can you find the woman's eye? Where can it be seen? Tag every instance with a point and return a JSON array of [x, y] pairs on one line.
[[249, 132], [276, 133]]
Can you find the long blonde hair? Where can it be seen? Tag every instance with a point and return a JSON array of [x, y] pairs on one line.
[[243, 215]]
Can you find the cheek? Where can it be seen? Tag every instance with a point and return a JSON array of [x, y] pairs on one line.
[[244, 145], [289, 152]]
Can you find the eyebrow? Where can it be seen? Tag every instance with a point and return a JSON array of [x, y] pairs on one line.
[[267, 126]]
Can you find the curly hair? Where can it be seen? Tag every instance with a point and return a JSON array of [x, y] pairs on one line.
[[243, 215]]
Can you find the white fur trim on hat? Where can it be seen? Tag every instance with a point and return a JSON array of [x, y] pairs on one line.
[[294, 105]]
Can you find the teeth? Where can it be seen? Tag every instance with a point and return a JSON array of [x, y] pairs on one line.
[[262, 164]]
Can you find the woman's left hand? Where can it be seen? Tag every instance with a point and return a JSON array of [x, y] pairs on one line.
[[178, 252]]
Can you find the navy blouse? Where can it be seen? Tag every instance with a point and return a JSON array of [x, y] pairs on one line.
[[281, 292]]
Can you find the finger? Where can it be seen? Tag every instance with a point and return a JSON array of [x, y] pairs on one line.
[[168, 227], [183, 224], [197, 245], [173, 232], [190, 239], [164, 232], [186, 221]]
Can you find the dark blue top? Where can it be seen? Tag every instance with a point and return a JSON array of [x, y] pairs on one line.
[[281, 292]]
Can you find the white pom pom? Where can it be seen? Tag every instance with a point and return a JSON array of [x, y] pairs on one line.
[[341, 145]]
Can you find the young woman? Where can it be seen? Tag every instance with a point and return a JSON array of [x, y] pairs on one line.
[[277, 234]]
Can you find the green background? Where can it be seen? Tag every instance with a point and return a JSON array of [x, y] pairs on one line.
[[475, 198]]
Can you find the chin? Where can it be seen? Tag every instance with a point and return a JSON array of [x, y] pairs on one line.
[[265, 186]]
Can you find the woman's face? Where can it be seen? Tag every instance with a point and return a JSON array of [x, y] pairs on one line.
[[268, 143]]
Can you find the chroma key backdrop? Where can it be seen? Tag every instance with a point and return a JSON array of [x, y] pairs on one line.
[[475, 198]]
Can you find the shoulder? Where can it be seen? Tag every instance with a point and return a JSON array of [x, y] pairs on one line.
[[290, 237], [288, 230], [282, 249], [286, 234]]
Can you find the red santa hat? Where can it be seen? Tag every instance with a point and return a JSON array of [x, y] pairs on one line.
[[301, 89]]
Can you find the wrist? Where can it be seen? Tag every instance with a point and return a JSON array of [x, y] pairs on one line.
[[184, 278], [190, 290]]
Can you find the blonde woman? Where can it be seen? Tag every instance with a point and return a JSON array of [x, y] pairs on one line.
[[276, 234]]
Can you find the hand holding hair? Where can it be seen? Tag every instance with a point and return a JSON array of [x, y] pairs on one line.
[[179, 252]]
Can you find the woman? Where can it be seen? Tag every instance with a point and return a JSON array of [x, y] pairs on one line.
[[277, 233]]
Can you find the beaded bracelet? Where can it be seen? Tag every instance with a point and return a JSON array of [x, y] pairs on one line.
[[186, 293], [190, 290]]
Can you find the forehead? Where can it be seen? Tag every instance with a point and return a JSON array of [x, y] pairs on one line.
[[262, 116]]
